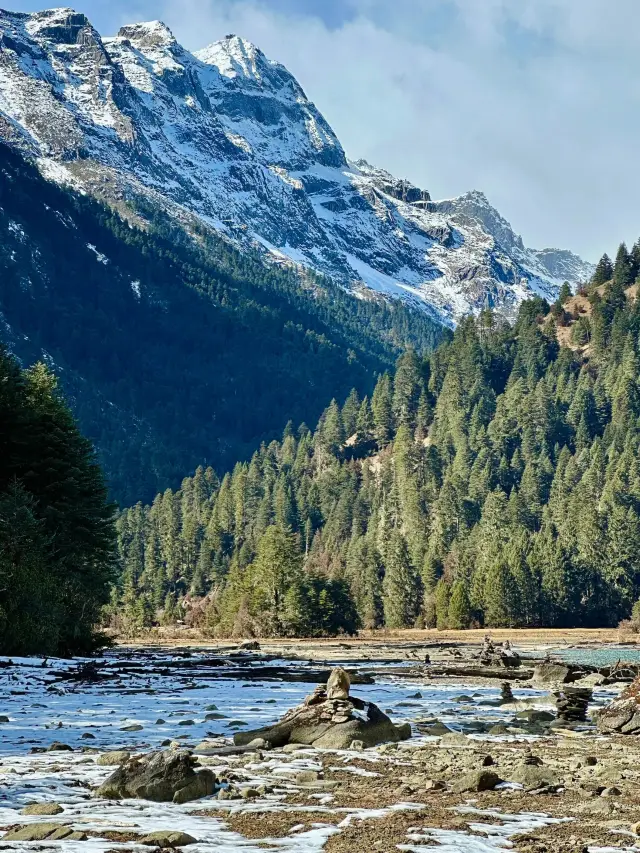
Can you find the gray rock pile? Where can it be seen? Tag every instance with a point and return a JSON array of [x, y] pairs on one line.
[[506, 693], [331, 719], [572, 704]]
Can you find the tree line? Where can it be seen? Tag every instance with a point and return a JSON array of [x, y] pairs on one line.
[[492, 482]]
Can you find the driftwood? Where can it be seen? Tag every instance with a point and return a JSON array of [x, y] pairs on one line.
[[479, 671], [220, 668]]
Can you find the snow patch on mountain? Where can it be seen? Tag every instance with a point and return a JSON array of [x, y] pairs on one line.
[[229, 136]]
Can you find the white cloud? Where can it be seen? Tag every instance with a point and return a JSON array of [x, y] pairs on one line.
[[533, 101]]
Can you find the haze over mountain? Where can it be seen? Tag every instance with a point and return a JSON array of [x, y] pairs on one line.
[[228, 138]]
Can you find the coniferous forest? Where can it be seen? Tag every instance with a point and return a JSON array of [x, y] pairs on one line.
[[492, 480], [495, 482], [57, 534]]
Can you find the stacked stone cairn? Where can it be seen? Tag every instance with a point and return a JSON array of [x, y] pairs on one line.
[[506, 694], [572, 703]]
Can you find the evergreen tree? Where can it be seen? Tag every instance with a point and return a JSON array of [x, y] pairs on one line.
[[459, 613], [402, 594], [604, 271]]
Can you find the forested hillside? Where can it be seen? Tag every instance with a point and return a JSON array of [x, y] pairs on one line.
[[494, 482], [57, 535], [172, 347]]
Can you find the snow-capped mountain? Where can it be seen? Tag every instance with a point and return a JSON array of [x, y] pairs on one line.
[[229, 136]]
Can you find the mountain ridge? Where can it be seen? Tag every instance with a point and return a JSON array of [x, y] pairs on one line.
[[229, 136]]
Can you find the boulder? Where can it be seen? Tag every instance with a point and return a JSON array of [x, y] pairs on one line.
[[551, 673], [56, 746], [477, 780], [167, 838], [535, 716], [113, 759], [330, 721], [46, 809], [338, 684], [167, 776], [622, 715], [531, 777], [42, 831]]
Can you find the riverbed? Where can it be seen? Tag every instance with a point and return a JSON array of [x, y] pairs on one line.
[[148, 699]]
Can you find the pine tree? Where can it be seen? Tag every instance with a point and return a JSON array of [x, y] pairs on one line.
[[381, 405], [442, 599], [459, 613], [604, 271], [402, 593]]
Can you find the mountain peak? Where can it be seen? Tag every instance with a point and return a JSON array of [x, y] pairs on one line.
[[148, 34], [229, 135], [235, 56], [60, 26]]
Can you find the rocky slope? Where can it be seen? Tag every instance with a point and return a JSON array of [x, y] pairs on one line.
[[230, 136]]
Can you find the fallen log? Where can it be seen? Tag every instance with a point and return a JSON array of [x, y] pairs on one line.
[[462, 670]]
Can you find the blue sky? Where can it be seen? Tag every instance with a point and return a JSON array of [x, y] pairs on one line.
[[535, 102]]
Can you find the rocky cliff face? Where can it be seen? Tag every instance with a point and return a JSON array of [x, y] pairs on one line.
[[229, 136]]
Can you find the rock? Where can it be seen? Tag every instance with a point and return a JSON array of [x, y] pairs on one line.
[[611, 792], [551, 673], [437, 729], [249, 793], [186, 723], [56, 746], [487, 761], [167, 776], [455, 739], [338, 684], [594, 679], [435, 785], [477, 780], [38, 832], [533, 716], [87, 736], [330, 723], [532, 777], [134, 727], [113, 759], [167, 838], [259, 743], [250, 645], [42, 809], [291, 747], [623, 713], [4, 719], [215, 716], [306, 776]]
